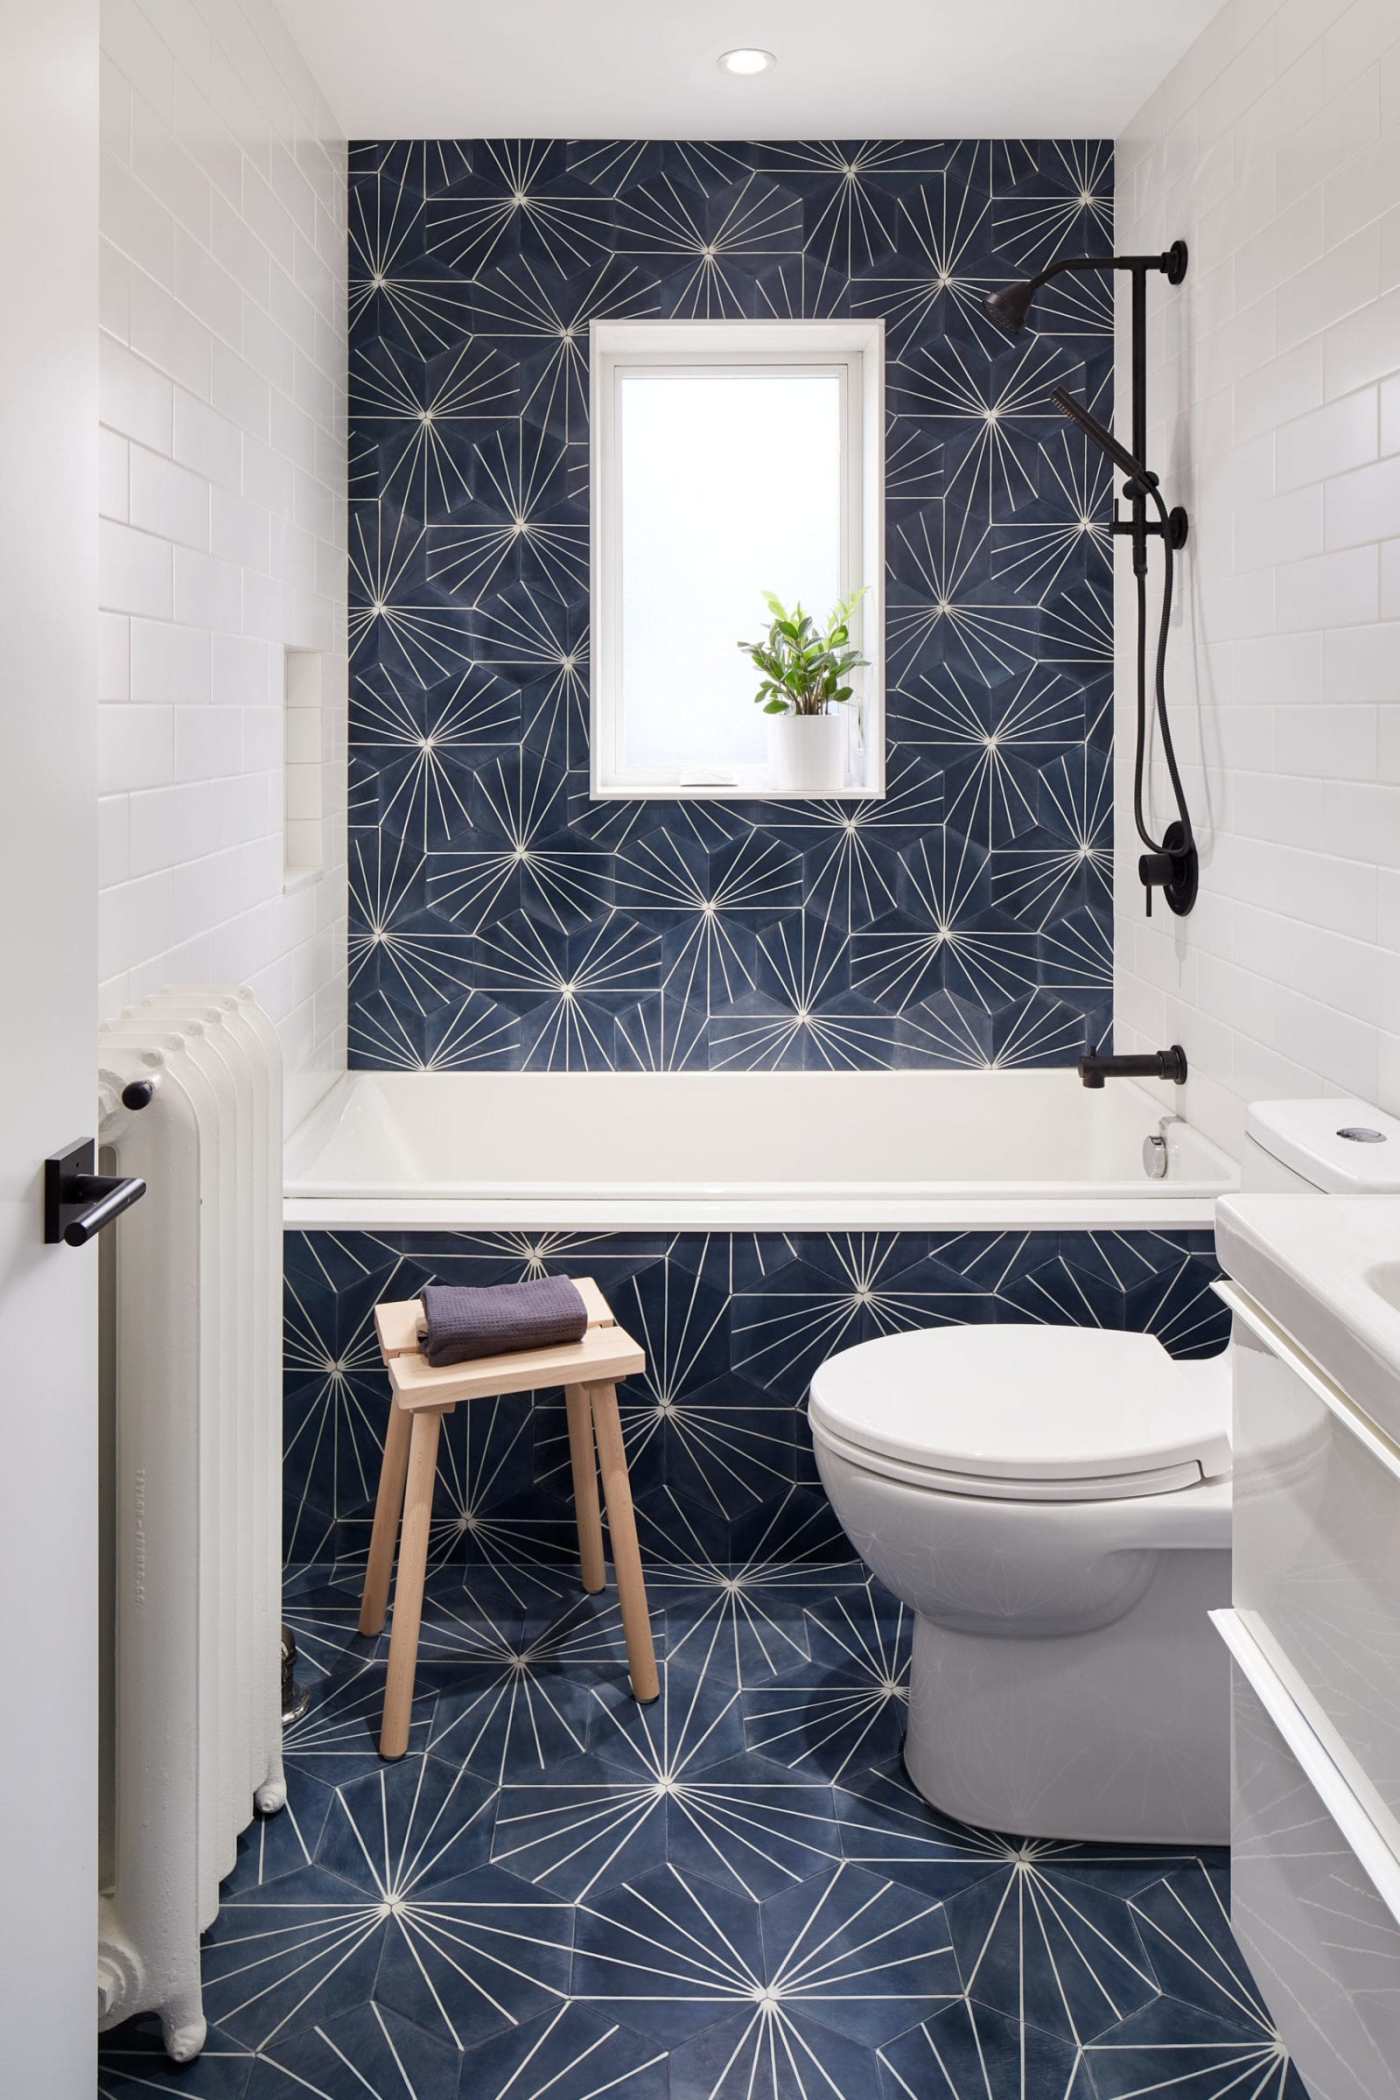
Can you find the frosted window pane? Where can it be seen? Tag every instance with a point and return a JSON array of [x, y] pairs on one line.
[[731, 485]]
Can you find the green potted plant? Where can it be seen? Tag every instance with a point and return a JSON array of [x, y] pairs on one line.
[[806, 683]]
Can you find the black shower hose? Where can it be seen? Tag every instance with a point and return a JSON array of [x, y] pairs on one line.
[[1168, 748]]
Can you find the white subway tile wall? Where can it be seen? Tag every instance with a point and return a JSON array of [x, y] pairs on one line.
[[1274, 401], [223, 360]]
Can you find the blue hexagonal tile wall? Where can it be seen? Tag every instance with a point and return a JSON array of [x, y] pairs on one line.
[[500, 919], [734, 1325]]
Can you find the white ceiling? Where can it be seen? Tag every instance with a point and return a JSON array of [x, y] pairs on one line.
[[646, 68]]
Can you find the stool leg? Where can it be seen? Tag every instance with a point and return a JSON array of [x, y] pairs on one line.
[[408, 1592], [590, 1523], [627, 1558], [388, 1508]]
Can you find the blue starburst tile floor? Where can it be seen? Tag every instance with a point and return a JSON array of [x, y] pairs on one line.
[[733, 1894]]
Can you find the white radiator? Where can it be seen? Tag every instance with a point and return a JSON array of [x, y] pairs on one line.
[[192, 1735]]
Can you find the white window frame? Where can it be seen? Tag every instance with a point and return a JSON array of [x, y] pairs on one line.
[[858, 349]]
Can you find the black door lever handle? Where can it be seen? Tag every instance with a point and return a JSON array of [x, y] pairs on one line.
[[78, 1201]]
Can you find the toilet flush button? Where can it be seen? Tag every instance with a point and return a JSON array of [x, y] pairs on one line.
[[1361, 1134]]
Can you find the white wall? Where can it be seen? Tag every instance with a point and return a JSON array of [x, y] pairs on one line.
[[223, 353], [1274, 149]]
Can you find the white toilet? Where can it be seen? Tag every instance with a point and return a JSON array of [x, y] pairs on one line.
[[1053, 1504]]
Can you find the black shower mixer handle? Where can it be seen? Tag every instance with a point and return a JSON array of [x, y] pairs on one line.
[[1174, 869]]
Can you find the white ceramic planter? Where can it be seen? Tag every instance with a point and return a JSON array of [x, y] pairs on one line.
[[807, 754]]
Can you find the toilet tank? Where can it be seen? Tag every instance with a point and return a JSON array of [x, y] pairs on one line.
[[1334, 1146]]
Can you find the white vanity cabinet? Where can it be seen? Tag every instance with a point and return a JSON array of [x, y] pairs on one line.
[[1314, 1893], [1316, 1541], [1314, 1638]]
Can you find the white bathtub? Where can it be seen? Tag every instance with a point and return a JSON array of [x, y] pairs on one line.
[[858, 1151]]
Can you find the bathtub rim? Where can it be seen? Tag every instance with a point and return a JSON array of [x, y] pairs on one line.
[[851, 1210], [315, 1202]]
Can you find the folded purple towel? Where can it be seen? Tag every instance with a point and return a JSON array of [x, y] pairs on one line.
[[462, 1321]]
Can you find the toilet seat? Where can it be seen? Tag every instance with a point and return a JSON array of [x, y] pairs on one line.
[[1107, 1487], [1026, 1413]]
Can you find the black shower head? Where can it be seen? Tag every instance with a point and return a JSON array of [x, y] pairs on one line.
[[1009, 306], [1138, 474]]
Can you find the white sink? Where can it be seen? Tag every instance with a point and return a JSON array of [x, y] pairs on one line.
[[1326, 1269]]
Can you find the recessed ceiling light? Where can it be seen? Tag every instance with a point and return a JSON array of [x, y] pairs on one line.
[[747, 61]]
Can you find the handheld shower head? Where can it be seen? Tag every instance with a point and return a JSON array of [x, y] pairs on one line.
[[1009, 306], [1139, 476]]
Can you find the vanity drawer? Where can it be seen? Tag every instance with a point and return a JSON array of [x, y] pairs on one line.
[[1314, 1890], [1317, 1555]]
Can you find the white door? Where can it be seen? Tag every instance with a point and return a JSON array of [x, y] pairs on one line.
[[48, 983]]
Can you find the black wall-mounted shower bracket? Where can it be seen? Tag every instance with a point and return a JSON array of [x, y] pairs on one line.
[[1176, 869], [1178, 526], [1170, 864], [1138, 526]]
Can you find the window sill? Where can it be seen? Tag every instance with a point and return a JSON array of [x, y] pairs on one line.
[[747, 791]]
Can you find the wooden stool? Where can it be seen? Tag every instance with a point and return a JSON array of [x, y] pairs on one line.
[[588, 1370]]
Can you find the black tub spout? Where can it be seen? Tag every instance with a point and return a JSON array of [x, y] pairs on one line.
[[1154, 1064]]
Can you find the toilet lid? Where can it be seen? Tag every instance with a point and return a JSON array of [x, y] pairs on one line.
[[1027, 1404]]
